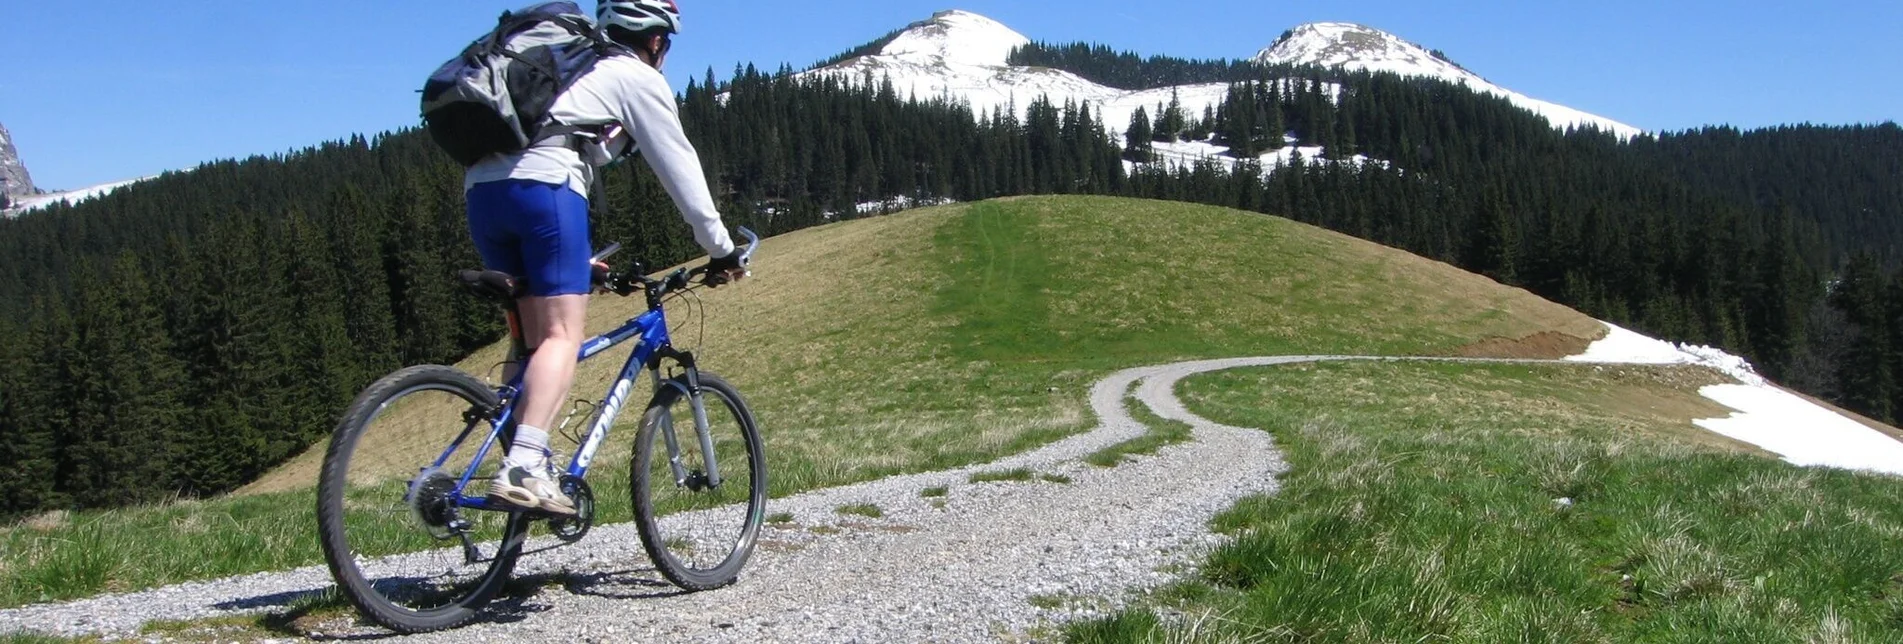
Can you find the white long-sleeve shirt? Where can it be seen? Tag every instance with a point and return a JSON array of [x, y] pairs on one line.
[[620, 90]]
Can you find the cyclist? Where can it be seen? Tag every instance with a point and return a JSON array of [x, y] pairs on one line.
[[528, 214]]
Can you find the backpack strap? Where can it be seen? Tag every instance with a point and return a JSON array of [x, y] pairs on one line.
[[569, 136], [557, 135]]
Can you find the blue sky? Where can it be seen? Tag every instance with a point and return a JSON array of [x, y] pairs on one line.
[[113, 89]]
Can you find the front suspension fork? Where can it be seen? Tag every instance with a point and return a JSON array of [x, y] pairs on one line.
[[696, 401]]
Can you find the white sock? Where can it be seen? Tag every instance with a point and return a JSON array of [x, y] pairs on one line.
[[530, 448]]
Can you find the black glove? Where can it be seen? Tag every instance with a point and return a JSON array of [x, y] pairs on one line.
[[718, 268]]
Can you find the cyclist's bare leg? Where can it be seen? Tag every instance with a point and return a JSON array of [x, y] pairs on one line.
[[554, 326]]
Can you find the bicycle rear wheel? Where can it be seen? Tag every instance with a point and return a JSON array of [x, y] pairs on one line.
[[397, 543], [698, 532]]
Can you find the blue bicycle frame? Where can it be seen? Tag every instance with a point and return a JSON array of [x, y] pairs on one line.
[[650, 327], [652, 331]]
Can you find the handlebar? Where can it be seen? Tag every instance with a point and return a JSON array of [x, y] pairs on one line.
[[627, 282]]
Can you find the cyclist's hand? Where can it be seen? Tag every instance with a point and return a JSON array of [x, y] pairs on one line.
[[723, 270], [599, 276]]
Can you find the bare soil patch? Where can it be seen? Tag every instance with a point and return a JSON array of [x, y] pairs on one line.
[[1545, 345]]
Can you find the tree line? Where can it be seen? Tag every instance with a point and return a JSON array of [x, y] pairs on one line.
[[183, 335]]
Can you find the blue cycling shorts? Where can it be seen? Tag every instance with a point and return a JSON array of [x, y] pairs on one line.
[[533, 230]]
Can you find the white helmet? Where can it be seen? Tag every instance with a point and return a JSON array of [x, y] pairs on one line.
[[639, 16]]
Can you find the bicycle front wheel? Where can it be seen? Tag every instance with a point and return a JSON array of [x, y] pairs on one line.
[[400, 547], [698, 517]]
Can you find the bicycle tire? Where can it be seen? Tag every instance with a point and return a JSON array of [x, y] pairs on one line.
[[671, 540], [380, 600]]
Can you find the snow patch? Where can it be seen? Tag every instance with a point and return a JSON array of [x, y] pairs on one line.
[[1186, 154], [901, 202], [74, 197], [1802, 432]]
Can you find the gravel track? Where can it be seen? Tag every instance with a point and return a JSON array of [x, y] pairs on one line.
[[962, 568]]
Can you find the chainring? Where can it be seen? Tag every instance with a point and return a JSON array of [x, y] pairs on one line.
[[572, 529]]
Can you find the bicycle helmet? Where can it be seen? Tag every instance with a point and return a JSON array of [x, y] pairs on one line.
[[639, 16]]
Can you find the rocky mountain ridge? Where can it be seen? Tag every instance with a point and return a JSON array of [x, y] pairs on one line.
[[15, 182]]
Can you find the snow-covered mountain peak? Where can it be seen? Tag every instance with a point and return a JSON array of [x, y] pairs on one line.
[[1337, 44], [957, 37], [1362, 48]]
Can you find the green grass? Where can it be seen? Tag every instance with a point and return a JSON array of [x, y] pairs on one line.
[[1420, 506], [914, 342], [1048, 602], [998, 476], [1054, 478], [780, 517], [934, 492], [861, 509], [1159, 432], [39, 638]]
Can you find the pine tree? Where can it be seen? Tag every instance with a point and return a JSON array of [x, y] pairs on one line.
[[420, 285], [1138, 145], [26, 443], [126, 415], [323, 361], [1268, 116], [356, 251], [1238, 118], [1170, 120], [240, 355], [1863, 376], [44, 417], [1895, 363]]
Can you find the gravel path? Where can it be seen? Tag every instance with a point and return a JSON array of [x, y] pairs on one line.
[[985, 562]]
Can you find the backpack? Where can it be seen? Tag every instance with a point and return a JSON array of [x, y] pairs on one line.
[[495, 96]]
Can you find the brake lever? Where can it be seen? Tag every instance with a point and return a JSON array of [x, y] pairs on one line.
[[679, 280], [619, 284]]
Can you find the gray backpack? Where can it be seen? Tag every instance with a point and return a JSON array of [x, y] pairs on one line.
[[495, 96]]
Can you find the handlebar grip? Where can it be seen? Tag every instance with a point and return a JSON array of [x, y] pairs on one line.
[[605, 252]]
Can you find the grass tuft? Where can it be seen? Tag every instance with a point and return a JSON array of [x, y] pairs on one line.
[[1160, 432], [861, 509], [934, 492], [42, 638], [780, 517], [995, 476], [1047, 602], [1126, 626]]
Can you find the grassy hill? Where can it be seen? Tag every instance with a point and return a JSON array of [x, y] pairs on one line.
[[915, 341], [941, 336]]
